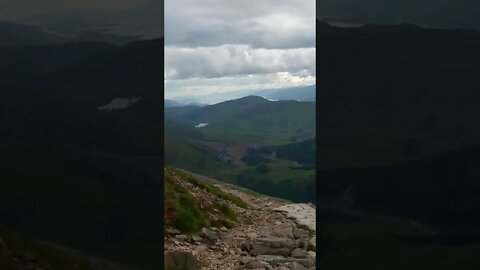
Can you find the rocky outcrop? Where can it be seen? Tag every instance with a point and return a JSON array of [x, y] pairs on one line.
[[266, 236]]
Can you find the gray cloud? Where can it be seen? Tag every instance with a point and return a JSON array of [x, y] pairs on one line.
[[266, 23], [224, 46], [233, 60]]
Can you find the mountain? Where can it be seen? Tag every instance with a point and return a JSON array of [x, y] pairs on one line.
[[58, 146], [397, 146], [139, 21], [171, 103], [439, 14], [400, 89], [13, 35], [306, 93], [437, 191], [301, 93], [253, 116]]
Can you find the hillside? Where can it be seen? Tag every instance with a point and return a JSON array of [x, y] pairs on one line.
[[397, 170], [403, 91], [217, 226], [253, 118], [222, 148], [75, 175], [17, 35]]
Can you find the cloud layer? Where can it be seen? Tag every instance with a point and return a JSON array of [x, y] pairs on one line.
[[234, 60], [218, 46]]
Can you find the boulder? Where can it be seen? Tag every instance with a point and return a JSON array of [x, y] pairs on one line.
[[297, 266], [197, 238], [299, 253], [180, 260], [210, 234], [284, 230], [181, 237], [172, 231], [259, 249]]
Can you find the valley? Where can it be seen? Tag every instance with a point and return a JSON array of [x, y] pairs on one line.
[[241, 141]]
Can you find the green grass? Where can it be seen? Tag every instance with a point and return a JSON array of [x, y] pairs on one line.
[[212, 189], [188, 215], [228, 212]]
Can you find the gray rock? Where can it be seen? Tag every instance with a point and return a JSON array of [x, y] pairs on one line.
[[210, 234], [297, 266], [246, 260], [255, 265], [244, 246], [180, 260], [284, 230], [300, 233], [277, 242], [259, 249], [302, 243], [299, 253], [279, 260], [181, 237], [172, 231], [196, 238]]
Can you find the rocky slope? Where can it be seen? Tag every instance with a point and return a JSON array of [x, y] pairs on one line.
[[268, 233]]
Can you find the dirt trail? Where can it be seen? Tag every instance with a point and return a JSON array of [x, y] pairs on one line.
[[249, 243]]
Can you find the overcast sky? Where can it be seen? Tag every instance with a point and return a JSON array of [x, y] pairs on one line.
[[218, 45]]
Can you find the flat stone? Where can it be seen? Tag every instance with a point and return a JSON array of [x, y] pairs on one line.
[[297, 266], [299, 253], [284, 230], [180, 260], [259, 249], [181, 237], [172, 231], [277, 242], [196, 238], [210, 234]]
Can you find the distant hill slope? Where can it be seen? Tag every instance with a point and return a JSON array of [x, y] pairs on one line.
[[72, 174], [252, 116], [440, 191], [397, 89], [446, 14], [300, 93], [15, 35], [306, 93]]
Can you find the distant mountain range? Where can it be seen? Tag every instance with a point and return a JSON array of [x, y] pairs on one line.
[[15, 35], [301, 93], [141, 21], [453, 14], [57, 143]]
